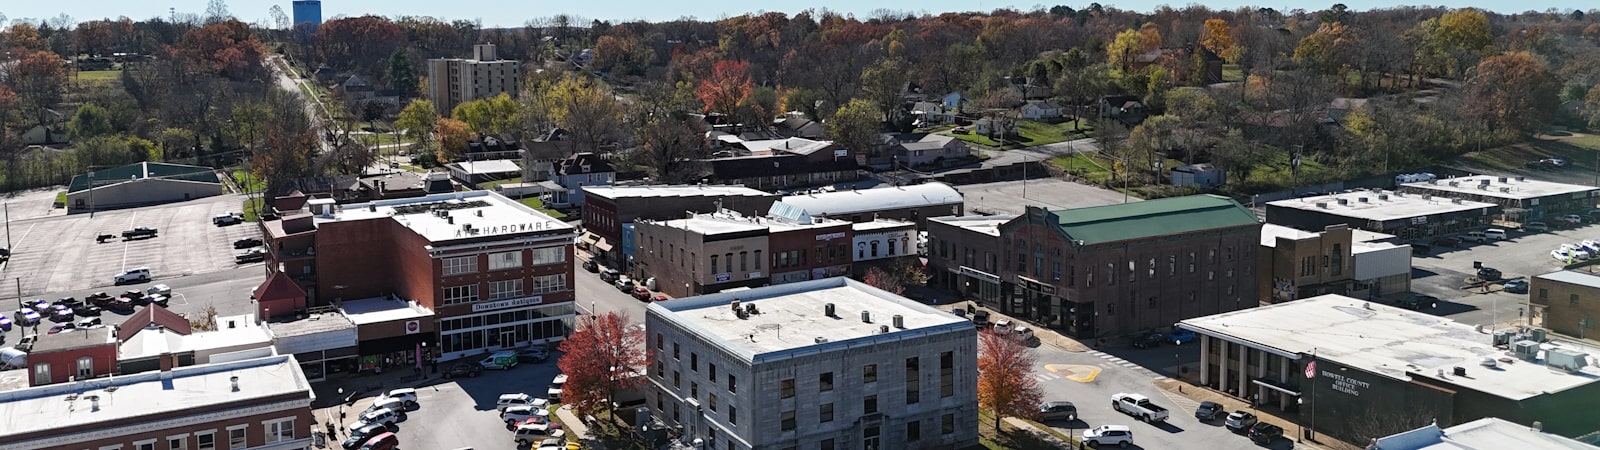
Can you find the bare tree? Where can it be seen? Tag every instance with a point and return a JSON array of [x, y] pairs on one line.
[[217, 11], [280, 21]]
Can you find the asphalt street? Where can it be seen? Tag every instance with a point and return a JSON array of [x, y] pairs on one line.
[[595, 295], [1444, 271]]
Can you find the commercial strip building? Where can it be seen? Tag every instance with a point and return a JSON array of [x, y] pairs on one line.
[[1298, 264], [1485, 433], [1407, 214], [439, 276], [260, 403], [1375, 367], [453, 81], [830, 363], [140, 184], [964, 256], [914, 203], [788, 163], [609, 211], [1566, 302], [1521, 199], [722, 250], [1120, 269]]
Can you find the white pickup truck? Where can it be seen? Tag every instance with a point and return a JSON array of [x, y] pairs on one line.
[[1138, 406]]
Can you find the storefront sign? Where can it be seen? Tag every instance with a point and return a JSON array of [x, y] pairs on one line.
[[1035, 285], [830, 236], [512, 303], [1345, 384], [724, 277], [979, 274], [413, 326]]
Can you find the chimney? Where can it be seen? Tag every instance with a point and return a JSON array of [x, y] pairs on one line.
[[866, 317]]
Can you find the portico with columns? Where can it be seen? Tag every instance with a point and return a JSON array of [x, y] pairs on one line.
[[1251, 372]]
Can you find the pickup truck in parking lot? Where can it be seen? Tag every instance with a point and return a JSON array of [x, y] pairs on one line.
[[1138, 406], [139, 232]]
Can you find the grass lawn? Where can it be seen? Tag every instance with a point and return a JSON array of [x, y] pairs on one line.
[[99, 76], [1089, 166], [489, 185], [535, 203], [248, 181], [61, 198], [252, 209], [1579, 150], [1009, 438], [1232, 72], [1032, 134]]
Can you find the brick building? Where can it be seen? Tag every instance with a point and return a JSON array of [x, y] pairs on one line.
[[445, 266], [1299, 264], [609, 211], [72, 355], [964, 255], [788, 163], [711, 252], [830, 363], [805, 248], [262, 403], [1567, 302], [1119, 269]]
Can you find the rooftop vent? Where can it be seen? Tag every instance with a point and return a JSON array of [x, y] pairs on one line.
[[1487, 362], [736, 304], [1363, 199], [1502, 180], [372, 208], [827, 310], [1383, 196], [1343, 202], [1323, 205], [883, 329], [1485, 182], [1455, 183], [1505, 189], [899, 321], [820, 340], [866, 317], [1427, 197], [1522, 178], [1459, 371], [235, 380], [1455, 200]]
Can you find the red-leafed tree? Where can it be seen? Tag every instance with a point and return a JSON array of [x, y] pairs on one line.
[[1005, 377], [1514, 91], [603, 356], [38, 79], [226, 48], [727, 85]]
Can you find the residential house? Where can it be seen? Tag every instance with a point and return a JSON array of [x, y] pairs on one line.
[[932, 150], [355, 89], [953, 101], [1041, 110], [1179, 63], [1127, 109], [995, 126], [1204, 176], [492, 146], [472, 173], [579, 170], [932, 113], [796, 124]]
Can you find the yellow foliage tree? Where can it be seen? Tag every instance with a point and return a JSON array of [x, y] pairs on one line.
[[1217, 37], [452, 135]]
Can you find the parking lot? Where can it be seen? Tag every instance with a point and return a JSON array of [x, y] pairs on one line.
[[460, 413], [61, 254], [1011, 197], [1443, 273]]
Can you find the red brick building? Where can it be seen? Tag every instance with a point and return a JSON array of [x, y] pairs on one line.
[[260, 404], [1120, 269], [72, 355], [609, 211], [488, 272], [808, 249]]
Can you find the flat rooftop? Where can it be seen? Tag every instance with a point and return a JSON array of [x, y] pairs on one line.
[[73, 339], [681, 190], [1014, 197], [1380, 206], [1392, 342], [491, 166], [447, 216], [1481, 434], [1570, 277], [721, 222], [879, 199], [1270, 234], [382, 309], [792, 318], [989, 225], [53, 407], [1510, 188], [881, 224], [312, 324]]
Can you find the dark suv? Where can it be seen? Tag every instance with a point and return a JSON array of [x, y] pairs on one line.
[[463, 370], [1265, 433], [1149, 340], [1209, 411]]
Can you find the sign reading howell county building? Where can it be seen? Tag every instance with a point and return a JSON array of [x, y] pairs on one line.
[[512, 303], [1345, 384]]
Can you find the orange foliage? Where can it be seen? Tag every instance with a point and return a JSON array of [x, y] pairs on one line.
[[727, 85], [1006, 384], [600, 358]]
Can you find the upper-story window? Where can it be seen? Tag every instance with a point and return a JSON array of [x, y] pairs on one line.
[[461, 265], [549, 255], [505, 260]]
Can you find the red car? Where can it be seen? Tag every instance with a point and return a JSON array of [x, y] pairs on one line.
[[660, 298], [641, 293]]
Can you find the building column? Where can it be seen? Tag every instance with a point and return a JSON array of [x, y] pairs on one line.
[[1261, 372], [1244, 372], [1205, 359], [1283, 378], [1222, 367]]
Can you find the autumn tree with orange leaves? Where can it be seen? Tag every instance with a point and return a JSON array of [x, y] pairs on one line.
[[603, 356], [452, 136], [727, 85], [1005, 377]]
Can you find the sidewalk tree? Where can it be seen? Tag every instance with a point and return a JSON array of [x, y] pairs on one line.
[[882, 279], [603, 356], [1006, 385]]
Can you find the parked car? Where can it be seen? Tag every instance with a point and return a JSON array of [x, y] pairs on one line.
[[156, 299], [139, 232], [1516, 286], [405, 395], [69, 302], [246, 243], [1489, 274], [1448, 241], [253, 255], [28, 317], [395, 405], [1590, 246], [1181, 336], [1265, 433], [517, 414], [1417, 302], [659, 298], [1138, 406], [609, 275], [519, 399], [1057, 410], [360, 436], [591, 266], [535, 354], [1239, 421], [1149, 340], [1498, 234], [90, 322], [1208, 411], [61, 313], [101, 239], [624, 283], [87, 310], [499, 360], [135, 275], [462, 370], [554, 393], [639, 292], [1567, 254], [60, 327], [1102, 435], [1475, 236], [159, 289], [380, 416], [382, 441], [528, 433], [226, 219], [1536, 227], [1570, 220], [5, 323]]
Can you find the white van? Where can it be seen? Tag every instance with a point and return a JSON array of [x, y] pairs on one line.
[[519, 399], [1495, 233], [554, 393], [533, 432]]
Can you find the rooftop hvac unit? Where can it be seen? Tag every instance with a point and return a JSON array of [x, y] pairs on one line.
[[1525, 350], [1383, 196], [1568, 360], [1323, 205], [866, 316], [1503, 337], [1522, 178], [1502, 180], [899, 321], [883, 329], [1427, 197], [1433, 181], [1459, 371], [1362, 199], [827, 310], [1485, 182], [1343, 202], [821, 340], [1455, 200], [1505, 189], [1536, 335], [1455, 183]]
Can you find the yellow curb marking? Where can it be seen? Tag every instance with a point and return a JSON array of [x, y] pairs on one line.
[[1075, 372]]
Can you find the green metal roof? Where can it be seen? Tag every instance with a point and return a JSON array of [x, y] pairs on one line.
[[114, 175], [1160, 217]]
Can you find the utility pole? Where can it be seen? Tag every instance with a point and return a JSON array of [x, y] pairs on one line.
[[8, 226]]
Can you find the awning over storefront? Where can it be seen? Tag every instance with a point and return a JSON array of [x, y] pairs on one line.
[[588, 238], [406, 342], [603, 245]]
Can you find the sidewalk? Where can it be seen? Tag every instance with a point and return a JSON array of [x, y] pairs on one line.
[[575, 427], [1229, 403], [1045, 335]]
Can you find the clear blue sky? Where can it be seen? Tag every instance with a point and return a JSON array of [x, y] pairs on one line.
[[513, 13]]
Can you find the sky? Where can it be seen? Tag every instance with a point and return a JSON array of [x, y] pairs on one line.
[[505, 13]]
